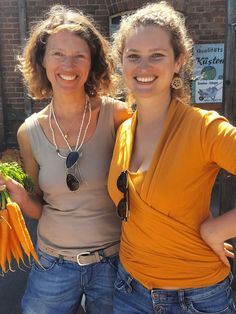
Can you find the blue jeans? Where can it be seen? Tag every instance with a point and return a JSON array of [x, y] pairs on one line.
[[59, 288], [130, 297]]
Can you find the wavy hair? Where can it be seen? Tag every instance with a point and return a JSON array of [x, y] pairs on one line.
[[58, 18], [163, 15]]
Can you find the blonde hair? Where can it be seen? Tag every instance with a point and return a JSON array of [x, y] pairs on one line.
[[163, 15], [60, 18]]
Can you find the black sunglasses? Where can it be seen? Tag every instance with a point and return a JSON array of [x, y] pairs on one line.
[[123, 205], [71, 181]]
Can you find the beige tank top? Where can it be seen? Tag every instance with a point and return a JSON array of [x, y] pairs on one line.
[[86, 219]]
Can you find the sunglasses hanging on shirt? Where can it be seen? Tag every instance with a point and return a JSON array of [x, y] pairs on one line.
[[72, 181], [123, 205]]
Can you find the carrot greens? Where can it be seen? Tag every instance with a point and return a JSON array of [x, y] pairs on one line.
[[14, 236], [15, 172]]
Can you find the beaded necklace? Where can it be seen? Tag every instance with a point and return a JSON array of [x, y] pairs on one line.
[[77, 146]]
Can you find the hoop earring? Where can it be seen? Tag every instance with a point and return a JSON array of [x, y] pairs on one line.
[[177, 82]]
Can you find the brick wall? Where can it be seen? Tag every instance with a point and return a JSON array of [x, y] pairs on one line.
[[204, 18], [1, 118]]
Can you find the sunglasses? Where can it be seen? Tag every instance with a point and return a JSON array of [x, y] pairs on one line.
[[71, 181], [123, 205]]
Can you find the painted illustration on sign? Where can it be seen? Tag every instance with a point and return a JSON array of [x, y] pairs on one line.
[[207, 86]]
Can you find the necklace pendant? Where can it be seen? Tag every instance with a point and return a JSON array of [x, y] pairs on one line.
[[66, 136]]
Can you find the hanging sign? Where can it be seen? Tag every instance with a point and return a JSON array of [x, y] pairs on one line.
[[207, 85]]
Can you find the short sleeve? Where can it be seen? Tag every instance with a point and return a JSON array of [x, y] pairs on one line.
[[219, 141]]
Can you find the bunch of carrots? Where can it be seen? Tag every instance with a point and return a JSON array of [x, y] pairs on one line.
[[14, 236]]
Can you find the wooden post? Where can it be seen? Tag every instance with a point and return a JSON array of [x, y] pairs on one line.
[[23, 31], [227, 195], [230, 63], [228, 181]]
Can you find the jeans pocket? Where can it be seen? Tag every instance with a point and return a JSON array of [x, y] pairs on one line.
[[123, 283], [47, 261], [219, 303]]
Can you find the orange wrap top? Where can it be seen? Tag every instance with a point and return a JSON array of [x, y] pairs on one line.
[[160, 244]]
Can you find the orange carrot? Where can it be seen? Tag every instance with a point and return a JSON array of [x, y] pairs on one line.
[[5, 227], [9, 257], [18, 223], [15, 247], [1, 274], [14, 237]]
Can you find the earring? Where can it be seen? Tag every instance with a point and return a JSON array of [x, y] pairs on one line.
[[177, 82], [90, 89]]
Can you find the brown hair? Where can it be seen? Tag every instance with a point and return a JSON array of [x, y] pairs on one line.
[[59, 18], [163, 15]]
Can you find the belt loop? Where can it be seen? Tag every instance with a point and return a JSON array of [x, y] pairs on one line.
[[101, 252], [60, 259], [99, 256], [182, 299], [103, 257], [129, 286], [230, 277]]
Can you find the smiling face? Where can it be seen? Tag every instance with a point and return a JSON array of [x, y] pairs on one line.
[[148, 62], [67, 61]]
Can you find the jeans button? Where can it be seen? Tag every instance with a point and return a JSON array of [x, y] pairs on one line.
[[154, 295]]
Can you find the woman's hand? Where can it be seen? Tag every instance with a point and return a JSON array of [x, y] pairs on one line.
[[16, 190], [210, 235]]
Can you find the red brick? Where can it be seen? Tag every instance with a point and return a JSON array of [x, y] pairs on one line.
[[204, 18]]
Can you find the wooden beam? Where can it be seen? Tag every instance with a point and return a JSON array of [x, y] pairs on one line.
[[228, 181]]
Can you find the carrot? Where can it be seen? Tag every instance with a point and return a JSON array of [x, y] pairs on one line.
[[9, 258], [1, 274], [5, 227], [14, 237], [15, 248], [18, 223]]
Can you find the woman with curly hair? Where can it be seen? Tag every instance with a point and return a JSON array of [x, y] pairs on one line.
[[165, 162], [66, 148]]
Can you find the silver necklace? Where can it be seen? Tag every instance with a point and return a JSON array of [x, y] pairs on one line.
[[77, 146]]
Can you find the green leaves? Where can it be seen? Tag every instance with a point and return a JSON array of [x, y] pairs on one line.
[[14, 171]]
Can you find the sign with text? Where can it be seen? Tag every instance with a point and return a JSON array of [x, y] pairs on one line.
[[207, 85]]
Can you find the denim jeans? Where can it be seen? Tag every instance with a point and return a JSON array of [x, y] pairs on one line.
[[130, 297], [59, 288]]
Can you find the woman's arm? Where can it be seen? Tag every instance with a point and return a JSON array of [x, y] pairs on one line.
[[215, 231], [120, 113], [31, 205]]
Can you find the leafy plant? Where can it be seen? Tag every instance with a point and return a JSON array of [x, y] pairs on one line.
[[14, 171]]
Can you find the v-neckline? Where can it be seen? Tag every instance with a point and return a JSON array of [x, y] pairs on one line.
[[157, 150]]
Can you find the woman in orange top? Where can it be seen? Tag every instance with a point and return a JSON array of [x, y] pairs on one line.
[[164, 165]]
